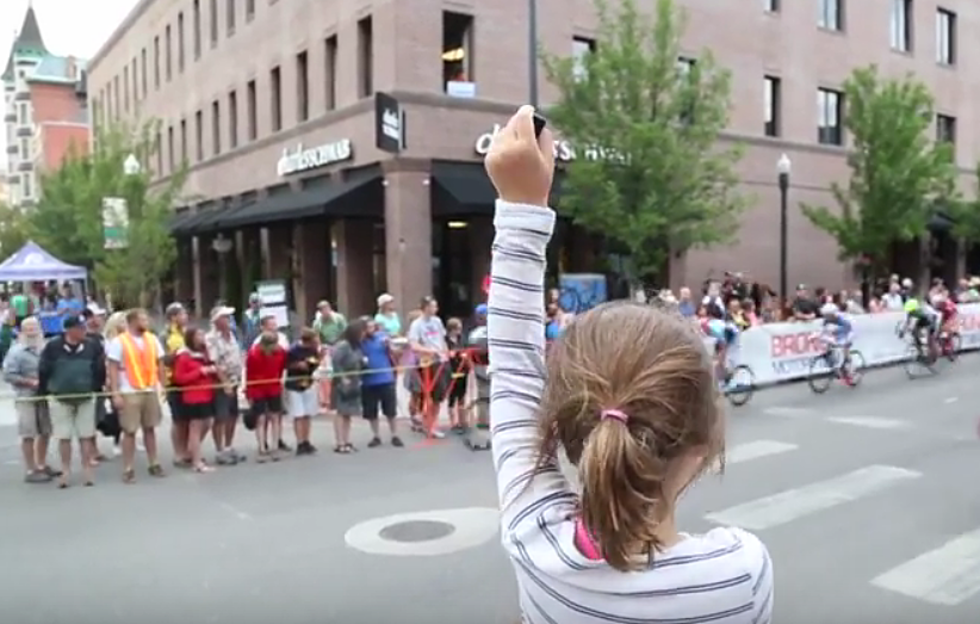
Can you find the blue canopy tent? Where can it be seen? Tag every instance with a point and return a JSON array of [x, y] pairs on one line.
[[31, 263]]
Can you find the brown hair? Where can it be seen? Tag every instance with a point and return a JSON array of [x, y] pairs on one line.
[[308, 336], [190, 336], [454, 324], [133, 314], [652, 365]]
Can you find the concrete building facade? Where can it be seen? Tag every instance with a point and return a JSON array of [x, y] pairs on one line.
[[279, 109]]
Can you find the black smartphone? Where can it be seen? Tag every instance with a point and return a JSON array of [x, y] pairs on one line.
[[539, 124]]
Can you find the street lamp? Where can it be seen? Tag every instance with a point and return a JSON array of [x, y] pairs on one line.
[[131, 166], [532, 52], [783, 167]]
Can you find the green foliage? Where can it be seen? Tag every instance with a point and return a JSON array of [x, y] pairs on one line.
[[966, 214], [68, 219], [661, 183], [14, 230], [899, 174]]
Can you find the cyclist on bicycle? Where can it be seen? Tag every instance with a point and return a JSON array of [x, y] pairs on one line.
[[838, 331], [725, 334], [947, 312], [919, 315]]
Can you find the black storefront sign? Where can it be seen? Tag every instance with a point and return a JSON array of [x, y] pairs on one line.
[[389, 124]]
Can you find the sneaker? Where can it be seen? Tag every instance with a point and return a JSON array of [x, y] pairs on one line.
[[37, 476], [51, 472], [437, 434], [375, 442], [261, 457], [274, 456], [224, 458], [310, 449], [284, 447], [239, 457], [396, 441]]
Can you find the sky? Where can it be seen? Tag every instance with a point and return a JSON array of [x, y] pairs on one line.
[[73, 27]]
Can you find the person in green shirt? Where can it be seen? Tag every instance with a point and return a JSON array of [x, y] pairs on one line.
[[329, 324], [21, 305]]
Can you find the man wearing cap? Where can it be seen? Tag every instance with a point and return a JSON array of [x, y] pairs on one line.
[[804, 307], [173, 341], [226, 353], [387, 316], [71, 369]]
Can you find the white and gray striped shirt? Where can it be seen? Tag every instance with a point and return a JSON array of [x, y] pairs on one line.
[[723, 577]]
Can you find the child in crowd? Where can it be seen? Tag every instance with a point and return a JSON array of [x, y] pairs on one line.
[[629, 394], [459, 366]]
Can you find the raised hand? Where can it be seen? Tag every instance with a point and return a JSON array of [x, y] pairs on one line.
[[520, 165]]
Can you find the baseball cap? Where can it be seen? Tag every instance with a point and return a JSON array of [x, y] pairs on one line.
[[481, 309], [220, 311], [95, 309], [174, 309], [384, 299], [73, 321]]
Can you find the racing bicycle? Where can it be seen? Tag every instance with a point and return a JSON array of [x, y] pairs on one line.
[[739, 384], [831, 364], [921, 354]]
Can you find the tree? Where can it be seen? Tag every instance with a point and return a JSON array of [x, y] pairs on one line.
[[899, 175], [14, 230], [68, 220], [965, 214], [650, 175]]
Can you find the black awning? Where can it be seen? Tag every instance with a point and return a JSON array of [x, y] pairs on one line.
[[187, 227], [361, 195], [463, 188], [179, 218], [218, 219]]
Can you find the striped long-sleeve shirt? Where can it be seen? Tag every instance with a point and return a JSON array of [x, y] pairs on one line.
[[724, 576]]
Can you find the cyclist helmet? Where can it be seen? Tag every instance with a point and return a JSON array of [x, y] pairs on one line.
[[829, 309], [911, 305]]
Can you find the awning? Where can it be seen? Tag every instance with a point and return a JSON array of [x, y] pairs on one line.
[[178, 219], [185, 226], [360, 195], [463, 188], [217, 220]]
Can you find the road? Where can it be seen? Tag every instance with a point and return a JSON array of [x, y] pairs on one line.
[[865, 498]]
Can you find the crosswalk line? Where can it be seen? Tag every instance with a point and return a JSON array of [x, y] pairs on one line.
[[789, 505], [757, 449], [789, 412], [946, 576], [871, 422]]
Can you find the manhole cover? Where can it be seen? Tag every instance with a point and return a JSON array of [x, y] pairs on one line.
[[416, 531]]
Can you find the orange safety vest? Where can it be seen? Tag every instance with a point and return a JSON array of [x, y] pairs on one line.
[[141, 364]]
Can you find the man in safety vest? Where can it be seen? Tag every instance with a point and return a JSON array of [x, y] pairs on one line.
[[137, 376]]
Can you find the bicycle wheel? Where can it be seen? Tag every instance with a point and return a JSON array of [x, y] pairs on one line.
[[855, 368], [915, 364], [820, 374], [741, 386]]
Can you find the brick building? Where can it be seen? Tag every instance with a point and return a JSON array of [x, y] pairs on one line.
[[45, 110], [275, 107]]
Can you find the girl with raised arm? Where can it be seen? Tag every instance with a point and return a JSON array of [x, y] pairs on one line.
[[630, 396]]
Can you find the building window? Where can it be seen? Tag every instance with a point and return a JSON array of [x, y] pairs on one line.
[[180, 42], [183, 141], [169, 45], [26, 185], [25, 149], [216, 127], [770, 6], [230, 16], [251, 111], [249, 10], [581, 47], [945, 37], [330, 67], [365, 57], [773, 98], [108, 102], [136, 85], [22, 114], [946, 129], [158, 148], [196, 26], [457, 49], [171, 152], [115, 94], [831, 14], [232, 120], [199, 136], [213, 14], [901, 25], [126, 89], [302, 87], [275, 98], [143, 71], [156, 62], [830, 127]]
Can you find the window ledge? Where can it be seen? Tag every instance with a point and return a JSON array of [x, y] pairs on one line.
[[947, 66], [905, 53], [840, 32]]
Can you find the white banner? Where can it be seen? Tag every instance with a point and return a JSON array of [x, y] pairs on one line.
[[783, 351]]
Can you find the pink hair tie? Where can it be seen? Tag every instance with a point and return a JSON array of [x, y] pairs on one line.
[[615, 414]]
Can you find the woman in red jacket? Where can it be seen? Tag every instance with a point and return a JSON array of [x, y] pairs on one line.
[[265, 365], [197, 378]]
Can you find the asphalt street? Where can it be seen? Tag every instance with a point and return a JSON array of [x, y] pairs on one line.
[[866, 499]]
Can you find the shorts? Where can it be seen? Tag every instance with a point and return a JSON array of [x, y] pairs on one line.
[[72, 420], [176, 404], [225, 405], [303, 403], [196, 411], [33, 419], [140, 410], [383, 396], [434, 381], [457, 393], [272, 405]]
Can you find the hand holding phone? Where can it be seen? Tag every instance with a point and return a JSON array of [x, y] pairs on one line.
[[539, 123]]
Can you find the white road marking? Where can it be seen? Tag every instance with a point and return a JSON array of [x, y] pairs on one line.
[[948, 575], [789, 505], [757, 449], [871, 422], [789, 412], [472, 527], [235, 511], [951, 400]]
